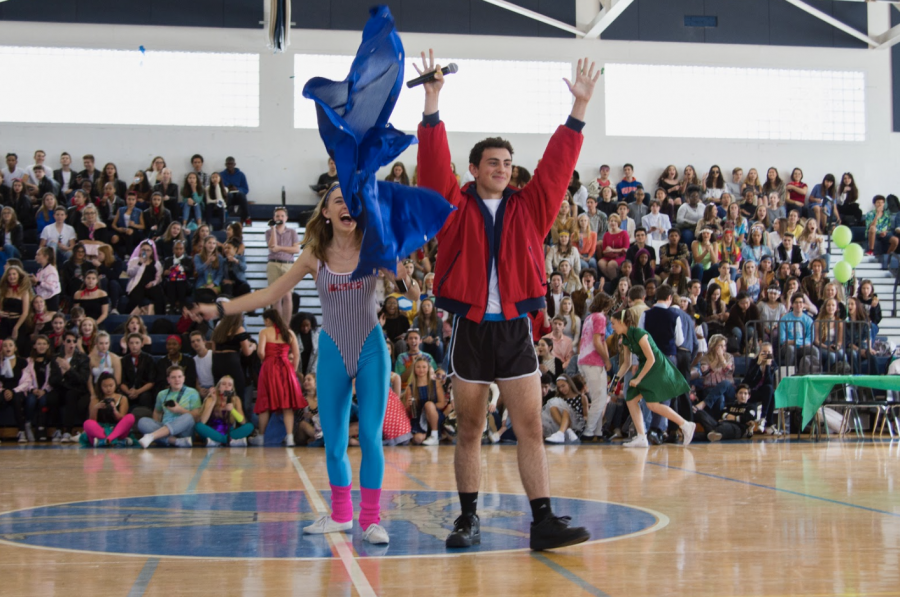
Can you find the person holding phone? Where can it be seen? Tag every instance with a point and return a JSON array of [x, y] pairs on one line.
[[222, 421], [109, 422], [177, 410], [760, 379]]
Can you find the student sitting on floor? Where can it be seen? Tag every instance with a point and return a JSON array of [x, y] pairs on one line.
[[736, 422], [177, 409]]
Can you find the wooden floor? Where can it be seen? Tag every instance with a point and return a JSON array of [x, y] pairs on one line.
[[760, 518]]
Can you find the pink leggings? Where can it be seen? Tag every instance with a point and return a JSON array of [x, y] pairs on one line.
[[95, 430]]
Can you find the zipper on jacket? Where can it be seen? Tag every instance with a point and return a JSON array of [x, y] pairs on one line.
[[447, 273]]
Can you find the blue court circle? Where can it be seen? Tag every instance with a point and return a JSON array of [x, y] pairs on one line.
[[269, 524]]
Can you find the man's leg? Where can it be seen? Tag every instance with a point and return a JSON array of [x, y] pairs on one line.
[[522, 398]]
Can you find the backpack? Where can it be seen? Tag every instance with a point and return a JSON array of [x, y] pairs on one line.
[[810, 365]]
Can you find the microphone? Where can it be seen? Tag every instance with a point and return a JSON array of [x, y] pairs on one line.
[[428, 77]]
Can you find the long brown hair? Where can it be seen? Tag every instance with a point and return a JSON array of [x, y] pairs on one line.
[[226, 328], [274, 316], [319, 234], [13, 220], [411, 380], [24, 281]]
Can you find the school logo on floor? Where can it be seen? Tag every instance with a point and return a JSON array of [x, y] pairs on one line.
[[269, 524]]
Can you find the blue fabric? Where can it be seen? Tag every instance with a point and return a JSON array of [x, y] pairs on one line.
[[335, 400], [353, 119]]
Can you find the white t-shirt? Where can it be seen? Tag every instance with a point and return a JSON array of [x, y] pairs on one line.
[[493, 305], [204, 370], [52, 235]]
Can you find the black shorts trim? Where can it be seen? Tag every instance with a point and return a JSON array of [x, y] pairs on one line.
[[492, 350]]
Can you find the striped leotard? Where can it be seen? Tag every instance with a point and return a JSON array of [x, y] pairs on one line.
[[349, 312]]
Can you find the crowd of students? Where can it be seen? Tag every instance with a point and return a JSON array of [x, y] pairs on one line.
[[744, 260]]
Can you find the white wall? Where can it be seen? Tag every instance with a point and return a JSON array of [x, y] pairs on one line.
[[276, 154]]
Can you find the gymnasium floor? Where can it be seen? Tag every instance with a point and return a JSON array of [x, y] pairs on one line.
[[760, 518]]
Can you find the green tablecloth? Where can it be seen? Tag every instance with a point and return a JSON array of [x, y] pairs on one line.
[[809, 392]]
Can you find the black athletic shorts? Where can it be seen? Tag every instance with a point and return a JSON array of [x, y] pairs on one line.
[[492, 350]]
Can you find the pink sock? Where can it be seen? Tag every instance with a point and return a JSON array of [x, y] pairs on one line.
[[369, 508], [341, 506]]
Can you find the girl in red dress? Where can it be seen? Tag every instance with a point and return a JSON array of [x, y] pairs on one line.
[[278, 387]]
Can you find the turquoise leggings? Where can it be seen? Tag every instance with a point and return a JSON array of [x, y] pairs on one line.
[[204, 430], [335, 391]]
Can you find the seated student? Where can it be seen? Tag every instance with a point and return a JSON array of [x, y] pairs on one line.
[[193, 198], [724, 281], [45, 282], [430, 329], [10, 233], [613, 247], [425, 402], [790, 253], [878, 229], [548, 363], [37, 386], [740, 323], [134, 325], [795, 334], [178, 408], [156, 218], [209, 267], [406, 359], [73, 388], [222, 421], [167, 190], [55, 330], [59, 236], [571, 281], [92, 298], [203, 362], [555, 293], [234, 276], [563, 348], [10, 375], [628, 224], [760, 378], [735, 422], [109, 422], [178, 274], [101, 357], [640, 242], [138, 374], [174, 357], [582, 298], [656, 223], [716, 376], [128, 225], [562, 417], [173, 233], [144, 288]]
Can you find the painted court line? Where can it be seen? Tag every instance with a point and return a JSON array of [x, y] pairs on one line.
[[788, 491], [143, 579], [192, 486], [569, 575], [418, 482], [340, 541]]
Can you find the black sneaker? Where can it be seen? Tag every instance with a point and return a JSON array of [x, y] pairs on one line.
[[555, 532], [466, 531]]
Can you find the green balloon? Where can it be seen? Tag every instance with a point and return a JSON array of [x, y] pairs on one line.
[[842, 236], [843, 271], [853, 254]]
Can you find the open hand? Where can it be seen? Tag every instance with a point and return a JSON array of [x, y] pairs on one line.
[[585, 79], [428, 66]]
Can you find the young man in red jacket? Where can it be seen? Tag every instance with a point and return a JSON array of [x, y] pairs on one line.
[[490, 274]]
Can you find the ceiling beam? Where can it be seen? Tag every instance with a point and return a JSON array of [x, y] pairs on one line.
[[536, 16], [889, 38], [834, 22], [606, 18]]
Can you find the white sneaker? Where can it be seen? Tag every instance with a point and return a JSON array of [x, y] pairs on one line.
[[74, 439], [688, 430], [324, 524], [257, 440], [571, 435], [557, 438], [638, 441], [376, 535], [495, 438], [145, 441], [28, 432], [289, 440], [714, 436], [57, 436], [238, 443], [22, 438], [66, 438], [96, 442], [431, 440], [211, 443], [184, 442]]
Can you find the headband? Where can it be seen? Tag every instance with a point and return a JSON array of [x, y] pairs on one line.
[[174, 337], [562, 378], [328, 193]]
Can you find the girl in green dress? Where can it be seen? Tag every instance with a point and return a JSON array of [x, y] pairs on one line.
[[656, 381]]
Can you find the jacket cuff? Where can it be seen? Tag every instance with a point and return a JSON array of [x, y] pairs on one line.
[[575, 124], [431, 119]]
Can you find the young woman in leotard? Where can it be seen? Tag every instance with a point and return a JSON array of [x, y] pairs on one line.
[[351, 346]]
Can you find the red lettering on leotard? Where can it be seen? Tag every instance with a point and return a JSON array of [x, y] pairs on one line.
[[357, 285]]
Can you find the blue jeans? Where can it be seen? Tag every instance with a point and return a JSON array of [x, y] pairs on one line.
[[183, 426], [718, 395], [186, 212], [687, 235], [590, 263]]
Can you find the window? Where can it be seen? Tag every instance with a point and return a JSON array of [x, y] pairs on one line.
[[485, 96], [131, 87], [644, 100]]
